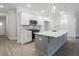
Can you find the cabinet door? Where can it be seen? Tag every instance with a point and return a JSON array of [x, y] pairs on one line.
[[25, 36], [29, 35], [24, 19]]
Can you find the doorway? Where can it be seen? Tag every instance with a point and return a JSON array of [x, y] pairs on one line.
[[2, 25]]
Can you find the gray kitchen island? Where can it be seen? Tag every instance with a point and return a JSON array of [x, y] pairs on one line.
[[48, 42]]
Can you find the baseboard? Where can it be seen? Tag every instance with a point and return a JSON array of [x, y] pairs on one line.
[[10, 38], [13, 39], [71, 37], [2, 35], [18, 41], [77, 36]]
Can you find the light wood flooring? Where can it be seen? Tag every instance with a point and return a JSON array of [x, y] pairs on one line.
[[12, 48], [70, 48]]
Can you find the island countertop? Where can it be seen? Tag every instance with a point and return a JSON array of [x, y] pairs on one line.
[[52, 34]]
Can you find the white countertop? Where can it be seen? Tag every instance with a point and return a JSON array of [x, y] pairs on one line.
[[51, 33]]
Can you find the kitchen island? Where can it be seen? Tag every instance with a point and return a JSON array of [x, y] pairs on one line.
[[48, 42]]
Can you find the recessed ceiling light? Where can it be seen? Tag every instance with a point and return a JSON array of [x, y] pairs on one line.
[[54, 7], [42, 11], [28, 5], [61, 12], [1, 6]]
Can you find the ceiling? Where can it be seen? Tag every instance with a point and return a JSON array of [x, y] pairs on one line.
[[37, 7]]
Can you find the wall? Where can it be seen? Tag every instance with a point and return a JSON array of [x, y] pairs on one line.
[[69, 24], [11, 24], [55, 21], [77, 24], [65, 23]]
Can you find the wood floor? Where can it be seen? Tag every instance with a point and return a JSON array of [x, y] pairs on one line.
[[12, 48], [70, 48]]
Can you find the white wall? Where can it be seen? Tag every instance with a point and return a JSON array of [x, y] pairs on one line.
[[65, 23], [11, 24], [69, 24], [77, 24]]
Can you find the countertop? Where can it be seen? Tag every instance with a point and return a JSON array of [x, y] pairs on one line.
[[52, 34]]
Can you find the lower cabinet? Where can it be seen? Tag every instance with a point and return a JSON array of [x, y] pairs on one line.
[[25, 36]]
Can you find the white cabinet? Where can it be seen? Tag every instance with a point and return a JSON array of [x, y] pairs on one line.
[[25, 36], [24, 19]]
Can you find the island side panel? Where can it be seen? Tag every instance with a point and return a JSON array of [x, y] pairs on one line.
[[52, 45], [55, 43]]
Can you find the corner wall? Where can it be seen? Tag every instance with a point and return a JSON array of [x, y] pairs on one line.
[[11, 24]]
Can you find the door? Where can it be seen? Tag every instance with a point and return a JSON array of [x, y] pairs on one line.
[[2, 25]]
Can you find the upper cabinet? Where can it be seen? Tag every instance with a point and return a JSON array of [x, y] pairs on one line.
[[24, 19]]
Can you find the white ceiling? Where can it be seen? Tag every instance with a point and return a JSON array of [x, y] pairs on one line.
[[37, 7]]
